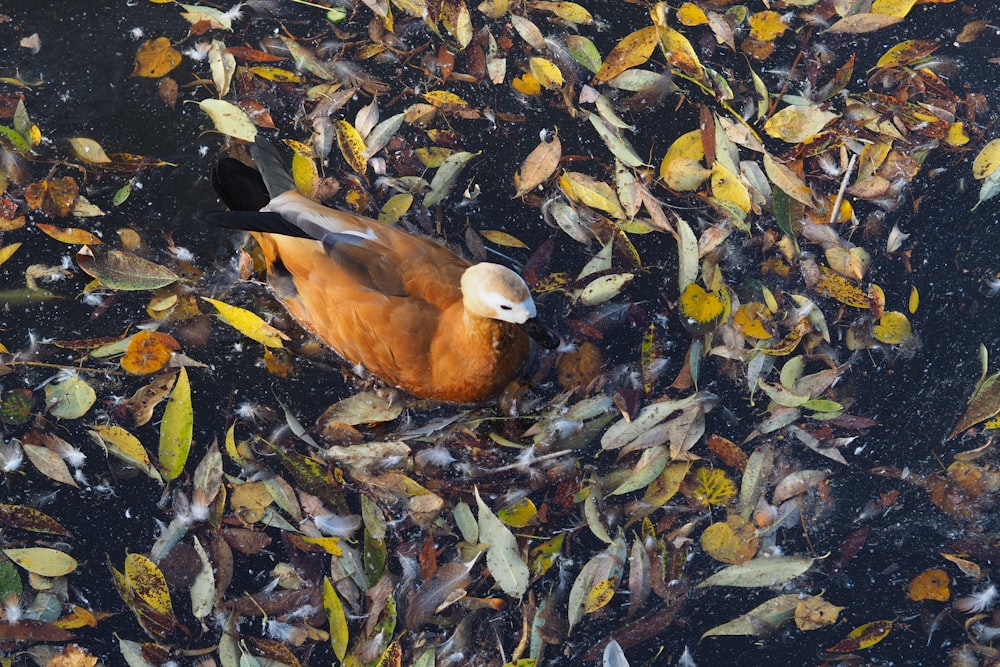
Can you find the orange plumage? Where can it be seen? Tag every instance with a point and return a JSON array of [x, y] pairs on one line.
[[409, 310]]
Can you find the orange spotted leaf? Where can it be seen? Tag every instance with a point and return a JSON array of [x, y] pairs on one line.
[[148, 352], [930, 585]]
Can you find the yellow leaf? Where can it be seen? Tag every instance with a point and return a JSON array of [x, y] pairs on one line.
[[906, 52], [798, 123], [814, 612], [546, 72], [600, 595], [155, 58], [893, 328], [766, 26], [8, 251], [522, 513], [728, 186], [836, 286], [930, 585], [753, 320], [987, 160], [634, 49], [502, 238], [276, 74], [712, 487], [527, 84], [679, 52], [42, 561], [177, 428], [146, 592], [956, 135], [440, 97], [249, 324], [732, 541], [125, 446], [229, 119], [592, 192], [338, 619], [914, 301], [863, 636], [395, 208], [691, 15], [897, 8], [700, 308], [304, 173], [352, 147]]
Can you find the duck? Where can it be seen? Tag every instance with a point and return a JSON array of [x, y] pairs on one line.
[[407, 309]]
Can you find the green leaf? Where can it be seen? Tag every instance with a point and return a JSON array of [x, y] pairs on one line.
[[176, 429]]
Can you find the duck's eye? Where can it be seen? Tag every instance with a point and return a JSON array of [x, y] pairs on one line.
[[504, 306]]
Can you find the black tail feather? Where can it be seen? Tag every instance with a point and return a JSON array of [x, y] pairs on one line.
[[240, 187], [253, 221]]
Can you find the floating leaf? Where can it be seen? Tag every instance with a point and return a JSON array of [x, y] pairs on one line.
[[176, 429], [592, 192], [249, 324], [155, 58], [49, 463], [540, 164], [148, 352], [229, 119], [731, 541], [121, 270], [15, 408], [125, 446], [712, 487], [760, 572], [796, 124], [352, 147], [634, 49], [502, 555], [546, 72], [43, 561], [700, 308], [69, 399], [862, 637], [760, 621], [339, 632], [893, 328], [502, 238], [445, 177], [814, 612], [930, 584], [89, 150], [144, 589], [28, 518]]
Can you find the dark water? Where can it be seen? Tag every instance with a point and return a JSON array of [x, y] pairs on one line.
[[85, 60]]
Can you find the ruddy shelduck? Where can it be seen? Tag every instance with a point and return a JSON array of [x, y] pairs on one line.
[[406, 308]]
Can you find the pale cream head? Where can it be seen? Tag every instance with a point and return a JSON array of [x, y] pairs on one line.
[[494, 291]]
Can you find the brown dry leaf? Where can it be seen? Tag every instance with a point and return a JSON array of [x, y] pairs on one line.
[[727, 451], [155, 58], [540, 164], [146, 398], [54, 197], [632, 50]]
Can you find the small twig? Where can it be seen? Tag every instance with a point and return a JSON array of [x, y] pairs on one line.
[[843, 187]]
